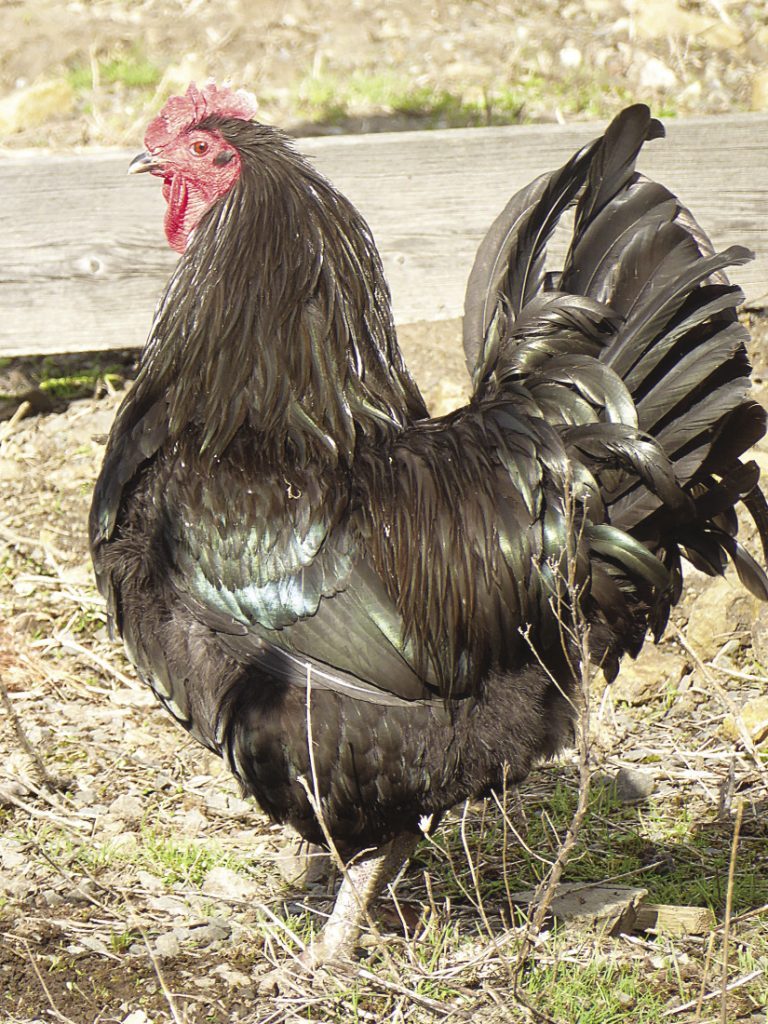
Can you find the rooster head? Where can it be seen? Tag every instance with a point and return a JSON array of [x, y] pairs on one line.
[[196, 163]]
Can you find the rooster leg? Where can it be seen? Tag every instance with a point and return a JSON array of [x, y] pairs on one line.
[[363, 880]]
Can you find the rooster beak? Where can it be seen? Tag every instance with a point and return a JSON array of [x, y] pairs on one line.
[[143, 162]]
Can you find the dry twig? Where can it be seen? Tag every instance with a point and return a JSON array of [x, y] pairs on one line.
[[729, 908]]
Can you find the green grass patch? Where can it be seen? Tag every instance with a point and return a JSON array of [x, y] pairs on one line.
[[336, 100], [660, 846], [331, 99], [131, 70], [79, 385], [599, 992], [173, 860]]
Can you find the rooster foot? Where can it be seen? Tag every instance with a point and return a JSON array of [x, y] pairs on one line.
[[362, 882]]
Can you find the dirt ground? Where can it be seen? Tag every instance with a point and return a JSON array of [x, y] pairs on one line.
[[136, 886]]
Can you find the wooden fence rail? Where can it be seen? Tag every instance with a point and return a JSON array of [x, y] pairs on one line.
[[83, 257]]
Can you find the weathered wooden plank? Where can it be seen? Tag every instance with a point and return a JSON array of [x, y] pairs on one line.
[[84, 259], [670, 919]]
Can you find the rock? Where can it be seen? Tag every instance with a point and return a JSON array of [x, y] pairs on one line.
[[51, 897], [229, 884], [632, 785], [167, 945], [139, 698], [446, 396], [229, 805], [754, 715], [136, 1017], [570, 57], [82, 892], [95, 944], [236, 979], [17, 888], [168, 905], [214, 931], [127, 807], [582, 905], [85, 797], [192, 822], [123, 840], [150, 882], [648, 678], [722, 611], [760, 636], [12, 854], [10, 469], [302, 864], [656, 76]]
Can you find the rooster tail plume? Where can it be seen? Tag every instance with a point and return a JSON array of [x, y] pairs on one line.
[[634, 347]]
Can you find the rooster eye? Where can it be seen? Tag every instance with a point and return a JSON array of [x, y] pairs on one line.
[[199, 148]]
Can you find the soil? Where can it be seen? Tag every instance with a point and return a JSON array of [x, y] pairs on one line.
[[135, 884]]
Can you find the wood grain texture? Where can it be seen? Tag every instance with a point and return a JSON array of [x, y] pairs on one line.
[[84, 258]]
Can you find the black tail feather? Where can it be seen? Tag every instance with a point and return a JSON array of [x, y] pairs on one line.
[[643, 295]]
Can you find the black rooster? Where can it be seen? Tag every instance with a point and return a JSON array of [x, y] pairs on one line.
[[354, 604]]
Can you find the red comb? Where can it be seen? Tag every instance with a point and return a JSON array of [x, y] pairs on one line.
[[183, 112]]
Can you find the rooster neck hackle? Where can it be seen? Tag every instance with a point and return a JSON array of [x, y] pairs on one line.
[[278, 316]]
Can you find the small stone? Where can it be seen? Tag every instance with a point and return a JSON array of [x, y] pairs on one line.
[[123, 840], [126, 696], [215, 930], [51, 897], [302, 864], [632, 786], [168, 905], [11, 854], [446, 396], [570, 57], [722, 611], [754, 715], [11, 791], [227, 883], [127, 807], [85, 797], [167, 945], [95, 944], [136, 1017], [192, 822], [10, 470], [17, 888], [656, 75], [648, 678], [149, 882], [236, 979]]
